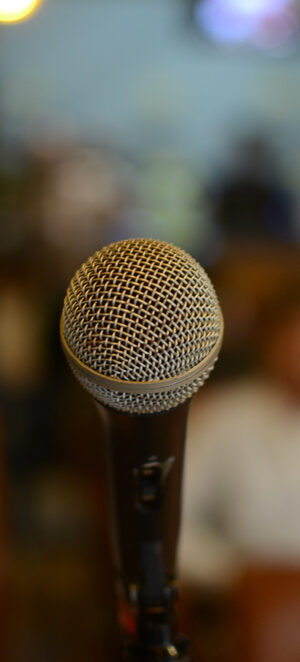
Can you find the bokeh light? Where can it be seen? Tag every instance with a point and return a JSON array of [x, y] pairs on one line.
[[267, 24], [258, 6], [17, 10]]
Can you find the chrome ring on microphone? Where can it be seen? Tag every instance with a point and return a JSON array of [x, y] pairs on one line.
[[154, 386]]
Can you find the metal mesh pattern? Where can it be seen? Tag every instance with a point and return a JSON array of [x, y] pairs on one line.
[[141, 310]]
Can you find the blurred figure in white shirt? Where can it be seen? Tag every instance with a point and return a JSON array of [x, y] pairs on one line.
[[242, 475]]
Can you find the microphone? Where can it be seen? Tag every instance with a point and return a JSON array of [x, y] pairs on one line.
[[141, 328]]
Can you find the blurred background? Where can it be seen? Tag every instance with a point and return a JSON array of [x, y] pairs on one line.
[[180, 121]]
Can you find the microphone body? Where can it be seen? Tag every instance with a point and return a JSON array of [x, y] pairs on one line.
[[145, 508], [145, 457]]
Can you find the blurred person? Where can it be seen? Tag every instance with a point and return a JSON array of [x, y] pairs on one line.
[[242, 488], [239, 552], [251, 202]]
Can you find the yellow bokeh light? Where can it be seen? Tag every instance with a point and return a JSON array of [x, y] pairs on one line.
[[17, 10]]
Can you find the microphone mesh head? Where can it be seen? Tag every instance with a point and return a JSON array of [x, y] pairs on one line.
[[141, 311]]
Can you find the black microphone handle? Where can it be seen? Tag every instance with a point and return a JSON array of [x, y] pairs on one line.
[[145, 510]]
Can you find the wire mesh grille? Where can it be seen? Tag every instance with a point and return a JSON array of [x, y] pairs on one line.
[[141, 310]]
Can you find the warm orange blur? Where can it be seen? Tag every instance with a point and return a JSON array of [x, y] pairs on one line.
[[12, 11]]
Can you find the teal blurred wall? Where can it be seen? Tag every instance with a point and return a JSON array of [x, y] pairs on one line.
[[134, 73]]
